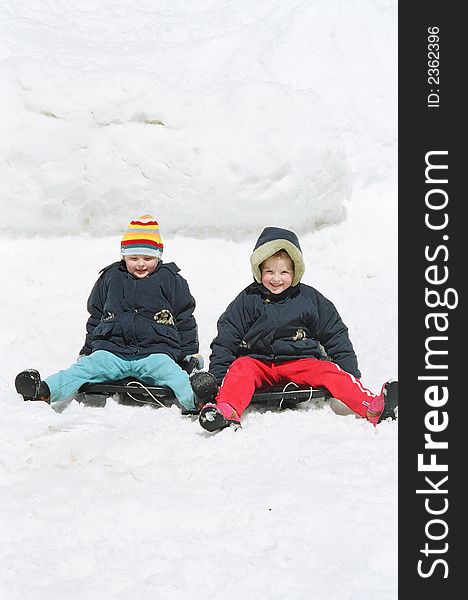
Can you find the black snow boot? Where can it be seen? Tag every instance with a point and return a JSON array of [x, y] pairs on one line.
[[391, 400], [28, 383], [214, 417], [204, 386]]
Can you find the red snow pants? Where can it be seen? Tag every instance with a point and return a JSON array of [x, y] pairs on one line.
[[246, 374]]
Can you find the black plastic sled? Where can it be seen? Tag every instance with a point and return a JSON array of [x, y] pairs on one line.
[[134, 392]]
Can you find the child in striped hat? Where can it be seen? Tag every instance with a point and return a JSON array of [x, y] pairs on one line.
[[141, 325]]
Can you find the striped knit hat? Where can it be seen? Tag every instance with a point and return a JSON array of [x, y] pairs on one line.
[[142, 237]]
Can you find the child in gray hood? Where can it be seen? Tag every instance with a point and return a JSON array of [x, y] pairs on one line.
[[275, 332]]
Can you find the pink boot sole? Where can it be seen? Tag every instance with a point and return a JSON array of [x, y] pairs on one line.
[[385, 404]]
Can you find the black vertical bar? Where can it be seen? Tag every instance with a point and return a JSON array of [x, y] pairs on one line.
[[432, 324]]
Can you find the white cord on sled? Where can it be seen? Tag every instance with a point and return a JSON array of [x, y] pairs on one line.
[[139, 384], [295, 384]]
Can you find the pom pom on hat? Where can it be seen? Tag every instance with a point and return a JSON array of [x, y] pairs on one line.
[[142, 237]]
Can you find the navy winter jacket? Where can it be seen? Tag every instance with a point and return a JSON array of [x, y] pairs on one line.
[[287, 326], [137, 317]]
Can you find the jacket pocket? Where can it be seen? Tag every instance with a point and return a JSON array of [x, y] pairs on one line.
[[103, 331], [165, 333]]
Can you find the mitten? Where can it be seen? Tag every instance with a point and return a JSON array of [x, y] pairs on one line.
[[194, 361]]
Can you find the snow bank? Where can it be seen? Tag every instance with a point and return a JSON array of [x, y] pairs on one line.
[[83, 151], [250, 109]]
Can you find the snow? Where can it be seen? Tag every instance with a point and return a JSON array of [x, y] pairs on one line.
[[220, 118]]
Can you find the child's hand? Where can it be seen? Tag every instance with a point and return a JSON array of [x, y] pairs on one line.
[[199, 364]]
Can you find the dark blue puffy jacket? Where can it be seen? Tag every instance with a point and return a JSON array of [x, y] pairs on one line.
[[288, 326], [137, 317]]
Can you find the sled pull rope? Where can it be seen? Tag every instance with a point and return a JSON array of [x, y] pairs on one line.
[[297, 387], [139, 384]]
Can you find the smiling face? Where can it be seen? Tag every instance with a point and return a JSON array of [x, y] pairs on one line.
[[141, 266], [277, 272]]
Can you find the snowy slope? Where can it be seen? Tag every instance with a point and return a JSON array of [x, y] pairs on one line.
[[281, 112]]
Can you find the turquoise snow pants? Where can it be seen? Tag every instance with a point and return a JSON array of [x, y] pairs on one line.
[[100, 366]]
